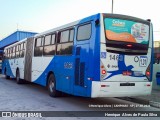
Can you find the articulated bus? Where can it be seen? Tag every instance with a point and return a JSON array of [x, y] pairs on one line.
[[103, 55]]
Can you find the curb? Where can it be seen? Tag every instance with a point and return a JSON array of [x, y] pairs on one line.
[[154, 104]]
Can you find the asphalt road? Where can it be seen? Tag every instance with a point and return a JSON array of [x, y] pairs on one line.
[[32, 97]]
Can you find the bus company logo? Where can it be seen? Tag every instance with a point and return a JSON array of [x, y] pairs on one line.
[[118, 23], [68, 65]]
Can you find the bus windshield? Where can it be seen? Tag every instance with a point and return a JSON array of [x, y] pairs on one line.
[[126, 31], [126, 35]]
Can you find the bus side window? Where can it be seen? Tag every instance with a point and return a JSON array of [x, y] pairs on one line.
[[12, 52], [49, 45], [5, 54], [23, 49], [84, 32], [53, 39], [38, 48], [8, 53], [17, 51], [71, 36], [20, 50], [66, 42]]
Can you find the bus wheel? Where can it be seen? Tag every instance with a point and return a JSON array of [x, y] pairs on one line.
[[18, 80], [52, 86], [6, 76]]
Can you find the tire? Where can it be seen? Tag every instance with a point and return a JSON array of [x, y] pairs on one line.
[[52, 86], [18, 80], [6, 76]]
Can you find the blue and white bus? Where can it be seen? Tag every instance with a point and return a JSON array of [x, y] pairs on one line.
[[103, 55]]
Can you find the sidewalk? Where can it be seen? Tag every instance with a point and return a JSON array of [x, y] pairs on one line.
[[155, 96], [153, 99]]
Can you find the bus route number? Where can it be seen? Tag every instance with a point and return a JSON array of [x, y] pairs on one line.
[[143, 61]]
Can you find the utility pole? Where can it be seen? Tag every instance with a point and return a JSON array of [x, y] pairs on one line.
[[112, 6]]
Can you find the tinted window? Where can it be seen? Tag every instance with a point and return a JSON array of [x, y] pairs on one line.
[[64, 36], [53, 39], [17, 51], [38, 50], [21, 52], [47, 40], [5, 53], [50, 48], [13, 49], [84, 32], [17, 48], [21, 46], [66, 42], [71, 35], [24, 45], [13, 53], [38, 42], [9, 53]]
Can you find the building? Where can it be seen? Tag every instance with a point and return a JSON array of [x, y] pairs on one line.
[[12, 38], [15, 37]]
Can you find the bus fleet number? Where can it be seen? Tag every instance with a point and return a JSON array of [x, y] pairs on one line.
[[116, 57]]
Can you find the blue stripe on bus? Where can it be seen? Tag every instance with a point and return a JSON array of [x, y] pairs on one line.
[[8, 68]]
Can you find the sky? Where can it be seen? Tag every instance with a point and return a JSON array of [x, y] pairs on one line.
[[41, 15]]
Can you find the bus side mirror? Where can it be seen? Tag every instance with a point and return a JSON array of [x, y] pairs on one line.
[[97, 22], [149, 20]]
